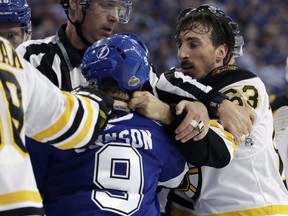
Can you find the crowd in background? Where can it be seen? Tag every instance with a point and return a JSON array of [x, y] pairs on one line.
[[263, 23]]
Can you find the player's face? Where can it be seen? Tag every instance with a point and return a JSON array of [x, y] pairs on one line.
[[196, 53], [101, 17], [14, 33]]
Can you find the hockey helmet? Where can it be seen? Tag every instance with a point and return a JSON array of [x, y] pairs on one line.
[[117, 57], [16, 12]]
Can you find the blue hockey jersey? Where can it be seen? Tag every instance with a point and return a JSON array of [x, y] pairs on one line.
[[118, 175]]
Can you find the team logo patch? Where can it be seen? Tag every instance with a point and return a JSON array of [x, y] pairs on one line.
[[223, 69], [133, 81], [103, 52], [192, 183]]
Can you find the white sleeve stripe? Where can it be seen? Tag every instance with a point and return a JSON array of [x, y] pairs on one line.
[[192, 90]]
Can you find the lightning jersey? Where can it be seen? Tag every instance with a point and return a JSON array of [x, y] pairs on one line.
[[32, 105], [118, 175], [252, 183]]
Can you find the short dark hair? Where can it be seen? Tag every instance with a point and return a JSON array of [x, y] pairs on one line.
[[207, 22], [109, 85]]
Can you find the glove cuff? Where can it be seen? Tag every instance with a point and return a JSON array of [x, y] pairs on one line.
[[212, 102]]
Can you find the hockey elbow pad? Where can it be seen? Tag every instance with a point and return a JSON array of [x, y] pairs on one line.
[[90, 90]]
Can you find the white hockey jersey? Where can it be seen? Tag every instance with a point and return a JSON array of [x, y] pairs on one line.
[[31, 105], [252, 183]]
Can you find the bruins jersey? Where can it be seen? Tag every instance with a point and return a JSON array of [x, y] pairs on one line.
[[32, 105], [252, 183]]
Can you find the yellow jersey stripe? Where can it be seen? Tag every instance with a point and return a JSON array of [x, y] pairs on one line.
[[20, 196], [84, 130], [263, 211], [61, 123], [228, 136]]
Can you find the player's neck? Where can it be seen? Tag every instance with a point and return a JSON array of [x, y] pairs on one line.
[[120, 103], [120, 109], [73, 37]]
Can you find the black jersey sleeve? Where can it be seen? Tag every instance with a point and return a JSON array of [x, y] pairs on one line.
[[212, 150]]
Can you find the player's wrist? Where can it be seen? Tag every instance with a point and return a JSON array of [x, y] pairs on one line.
[[213, 102], [221, 108], [168, 114]]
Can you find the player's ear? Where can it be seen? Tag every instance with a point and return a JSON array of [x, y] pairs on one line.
[[221, 52], [74, 4], [75, 10]]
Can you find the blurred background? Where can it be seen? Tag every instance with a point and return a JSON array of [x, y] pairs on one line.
[[263, 23]]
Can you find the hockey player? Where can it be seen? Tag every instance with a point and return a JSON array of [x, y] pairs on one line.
[[119, 174], [31, 105], [59, 57], [251, 184], [15, 24], [132, 156]]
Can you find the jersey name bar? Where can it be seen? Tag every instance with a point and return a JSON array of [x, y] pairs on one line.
[[135, 137]]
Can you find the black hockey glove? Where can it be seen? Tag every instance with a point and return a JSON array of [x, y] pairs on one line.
[[89, 89]]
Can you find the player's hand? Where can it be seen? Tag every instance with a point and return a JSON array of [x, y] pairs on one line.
[[196, 112], [146, 104], [236, 119], [90, 90]]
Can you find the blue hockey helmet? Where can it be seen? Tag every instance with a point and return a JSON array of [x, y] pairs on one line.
[[139, 41], [16, 12], [118, 57]]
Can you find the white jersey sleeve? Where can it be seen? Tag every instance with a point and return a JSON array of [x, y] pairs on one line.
[[31, 105], [61, 118]]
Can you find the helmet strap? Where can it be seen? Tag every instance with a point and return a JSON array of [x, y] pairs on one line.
[[77, 26], [27, 35], [79, 33]]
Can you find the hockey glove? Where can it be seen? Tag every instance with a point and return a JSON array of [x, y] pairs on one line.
[[89, 89]]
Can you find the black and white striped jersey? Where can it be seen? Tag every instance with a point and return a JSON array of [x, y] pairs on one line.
[[56, 58], [174, 82]]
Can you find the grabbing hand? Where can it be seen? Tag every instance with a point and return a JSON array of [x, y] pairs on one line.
[[105, 102], [196, 123], [146, 104], [236, 119]]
